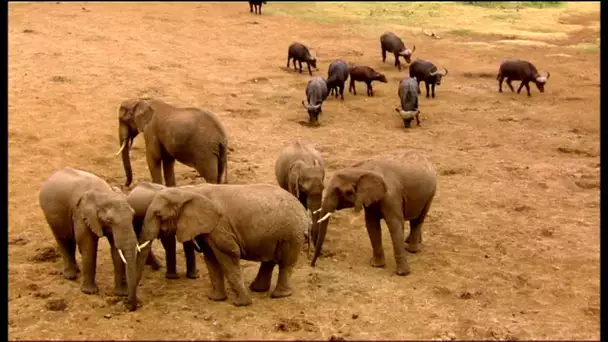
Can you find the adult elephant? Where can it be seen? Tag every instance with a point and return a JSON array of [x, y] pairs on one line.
[[192, 136], [139, 199], [256, 222], [300, 169], [397, 189], [80, 208]]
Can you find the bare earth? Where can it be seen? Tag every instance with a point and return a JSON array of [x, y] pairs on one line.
[[511, 244]]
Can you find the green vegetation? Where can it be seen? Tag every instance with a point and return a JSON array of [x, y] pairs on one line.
[[462, 32]]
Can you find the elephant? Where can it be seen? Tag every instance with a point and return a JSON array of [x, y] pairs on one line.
[[256, 222], [80, 208], [140, 198], [192, 136], [395, 188], [300, 169]]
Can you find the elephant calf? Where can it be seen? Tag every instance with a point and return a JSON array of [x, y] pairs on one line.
[[227, 223], [396, 189], [80, 208], [300, 169], [140, 198]]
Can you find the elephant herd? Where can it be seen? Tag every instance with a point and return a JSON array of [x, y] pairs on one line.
[[224, 222]]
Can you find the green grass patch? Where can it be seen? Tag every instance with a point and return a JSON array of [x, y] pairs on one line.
[[515, 4], [462, 32], [587, 47]]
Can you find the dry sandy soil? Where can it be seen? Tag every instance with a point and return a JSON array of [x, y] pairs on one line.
[[511, 244]]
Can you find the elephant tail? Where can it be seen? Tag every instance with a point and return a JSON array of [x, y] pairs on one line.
[[222, 163]]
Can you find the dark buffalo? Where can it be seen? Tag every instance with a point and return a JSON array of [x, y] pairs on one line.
[[364, 74], [425, 71], [257, 6], [392, 43], [299, 52], [337, 74], [520, 70], [316, 93], [408, 95]]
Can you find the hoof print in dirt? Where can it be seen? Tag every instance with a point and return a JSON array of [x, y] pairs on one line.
[[60, 79], [19, 241], [46, 254], [56, 305]]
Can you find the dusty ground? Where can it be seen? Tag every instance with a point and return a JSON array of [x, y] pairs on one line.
[[511, 245]]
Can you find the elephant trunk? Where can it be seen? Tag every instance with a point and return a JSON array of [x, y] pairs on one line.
[[325, 213], [125, 139], [132, 279], [314, 205]]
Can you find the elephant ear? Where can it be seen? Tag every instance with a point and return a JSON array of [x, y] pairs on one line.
[[199, 215], [142, 114], [87, 211], [370, 188], [294, 182]]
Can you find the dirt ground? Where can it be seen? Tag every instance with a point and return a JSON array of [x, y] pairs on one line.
[[511, 244]]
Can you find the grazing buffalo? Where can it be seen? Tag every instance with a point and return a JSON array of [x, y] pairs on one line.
[[425, 71], [299, 52], [392, 43], [520, 70]]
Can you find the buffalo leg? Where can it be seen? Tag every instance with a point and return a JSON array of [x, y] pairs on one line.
[[341, 91], [426, 85], [300, 65], [288, 58], [510, 85], [397, 62], [352, 87], [419, 87], [383, 55], [521, 85], [370, 91], [250, 8], [309, 71], [433, 90], [500, 80]]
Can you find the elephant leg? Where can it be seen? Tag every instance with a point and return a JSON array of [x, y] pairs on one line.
[[87, 245], [415, 238], [216, 276], [120, 277], [395, 227], [169, 169], [169, 245], [283, 288], [372, 223], [190, 254], [67, 249], [232, 270], [154, 164], [262, 280]]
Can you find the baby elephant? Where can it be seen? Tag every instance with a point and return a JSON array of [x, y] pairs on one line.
[[227, 223], [300, 169], [139, 199], [80, 208]]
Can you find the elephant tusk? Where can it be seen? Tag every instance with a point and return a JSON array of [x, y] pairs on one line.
[[324, 218], [196, 244], [317, 211], [122, 147], [140, 247], [122, 256]]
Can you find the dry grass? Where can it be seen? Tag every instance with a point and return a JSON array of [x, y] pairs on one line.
[[511, 245]]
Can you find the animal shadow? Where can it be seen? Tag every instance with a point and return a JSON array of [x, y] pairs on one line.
[[308, 124]]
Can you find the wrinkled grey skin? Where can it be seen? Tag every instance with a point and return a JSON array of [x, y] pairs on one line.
[[80, 208], [140, 198], [337, 74], [425, 71], [256, 222], [408, 95], [316, 93], [300, 169], [392, 43], [192, 136], [299, 52], [397, 189], [520, 70]]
